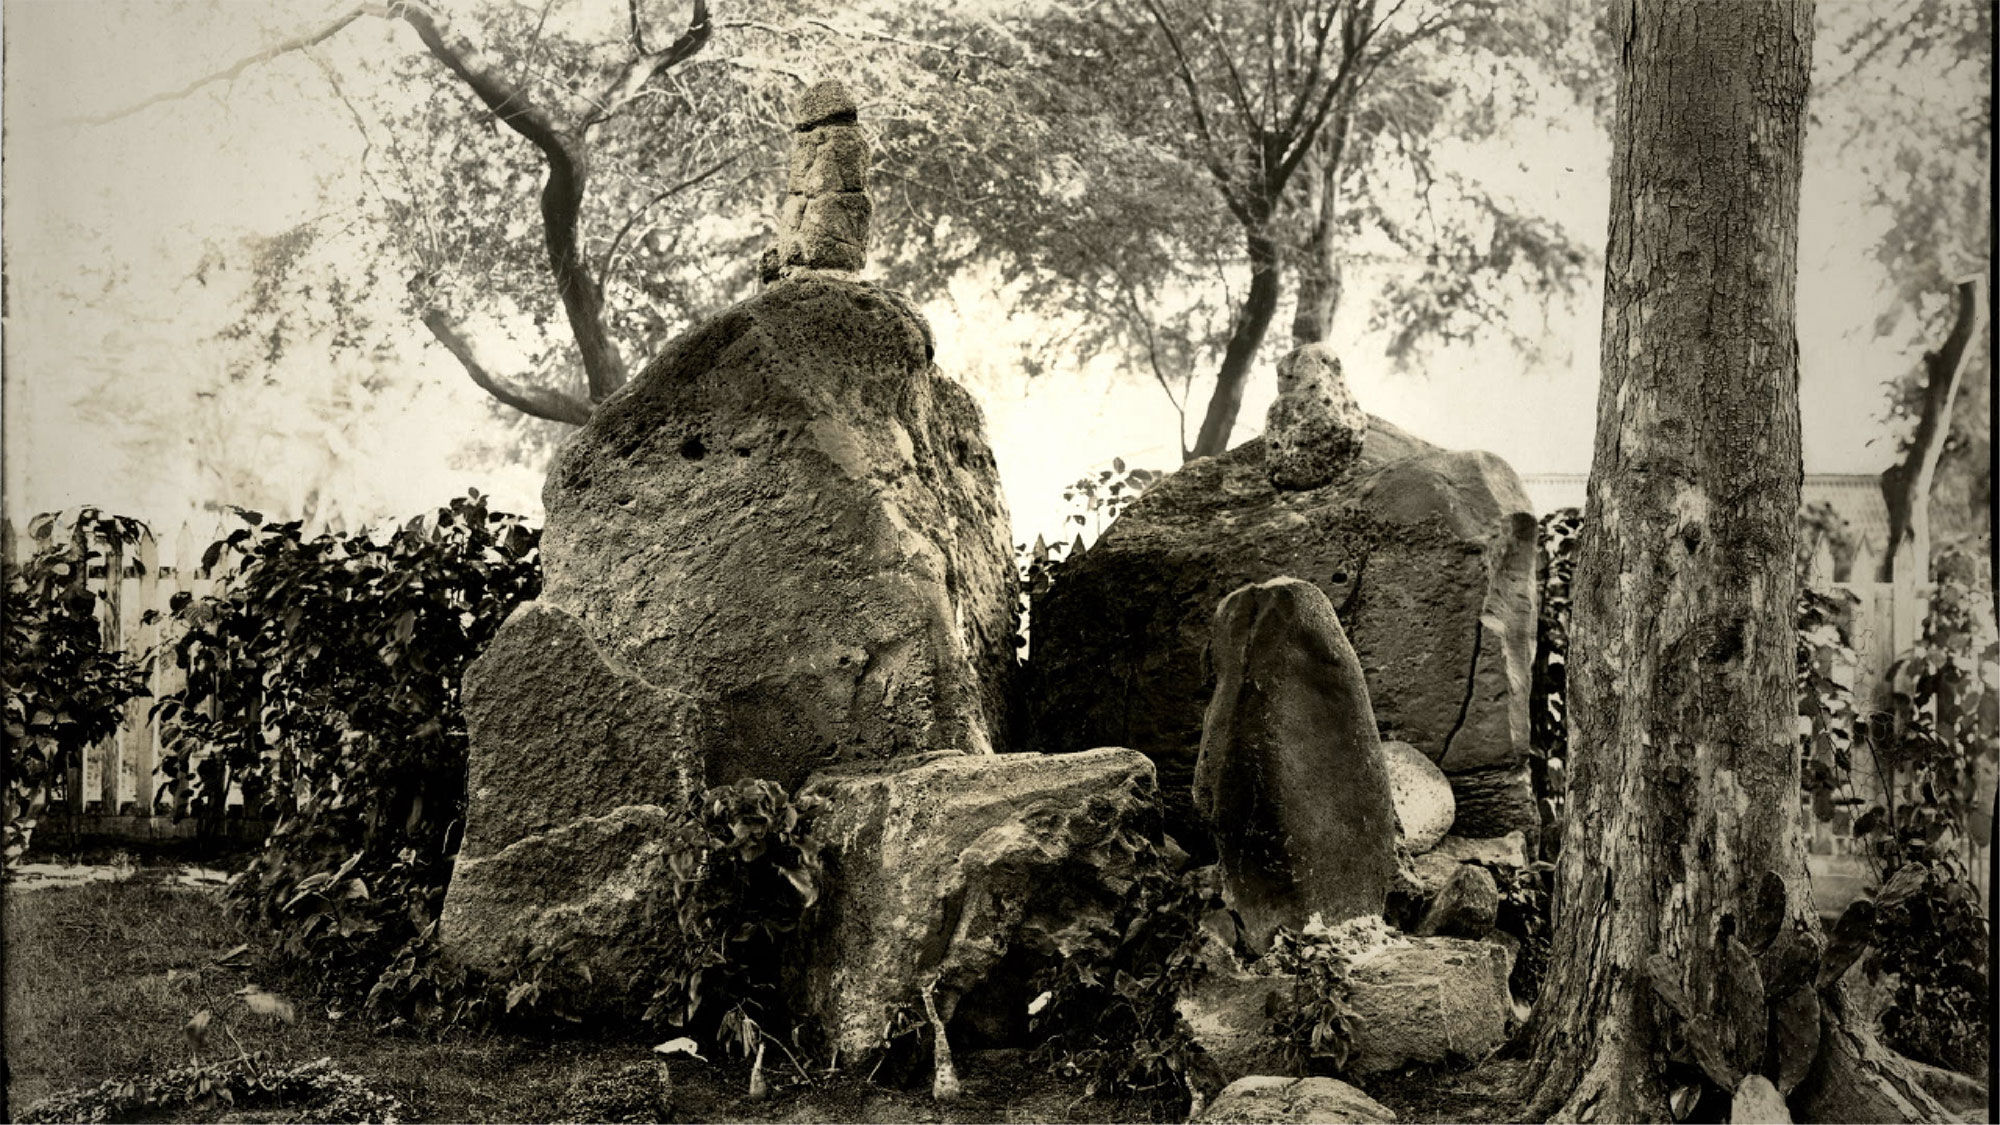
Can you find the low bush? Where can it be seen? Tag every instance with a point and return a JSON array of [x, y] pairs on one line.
[[323, 674], [1112, 1017]]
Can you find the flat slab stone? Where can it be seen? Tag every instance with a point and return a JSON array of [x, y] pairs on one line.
[[941, 866]]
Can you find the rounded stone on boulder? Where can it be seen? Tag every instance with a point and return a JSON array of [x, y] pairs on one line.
[[1467, 906], [1315, 428], [1424, 803]]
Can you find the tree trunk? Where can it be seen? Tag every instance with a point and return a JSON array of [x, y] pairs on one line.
[[1259, 308], [1682, 892], [1906, 485], [1319, 271]]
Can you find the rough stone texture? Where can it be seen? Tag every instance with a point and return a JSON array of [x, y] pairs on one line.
[[558, 733], [1228, 1010], [1274, 1099], [1290, 776], [824, 101], [596, 884], [1466, 907], [1494, 802], [1500, 853], [823, 222], [1428, 556], [791, 521], [1314, 430], [971, 871], [1424, 806], [1428, 1000], [1427, 875], [1757, 1102]]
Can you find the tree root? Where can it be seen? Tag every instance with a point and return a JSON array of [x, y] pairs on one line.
[[1856, 1078]]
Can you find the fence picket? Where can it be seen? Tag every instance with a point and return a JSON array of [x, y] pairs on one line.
[[143, 740], [112, 607]]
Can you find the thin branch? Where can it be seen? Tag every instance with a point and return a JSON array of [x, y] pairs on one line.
[[562, 194], [1210, 157], [235, 69], [638, 32], [861, 33], [1252, 125], [538, 401], [645, 67], [609, 260]]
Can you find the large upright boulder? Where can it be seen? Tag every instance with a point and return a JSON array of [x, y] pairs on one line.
[[968, 874], [780, 546], [793, 521], [1290, 776], [1428, 556]]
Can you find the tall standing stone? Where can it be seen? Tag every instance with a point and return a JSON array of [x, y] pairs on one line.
[[781, 546], [1290, 776], [823, 223], [791, 519]]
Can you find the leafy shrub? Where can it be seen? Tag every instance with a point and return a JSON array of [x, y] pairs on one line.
[[1940, 744], [1935, 940], [1112, 1017], [745, 877], [324, 674], [1102, 498], [63, 690], [1548, 692], [1315, 1023]]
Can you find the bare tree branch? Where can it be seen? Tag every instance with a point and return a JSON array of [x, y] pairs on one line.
[[644, 67], [1906, 485], [609, 259], [1211, 157], [562, 193], [538, 401], [235, 69]]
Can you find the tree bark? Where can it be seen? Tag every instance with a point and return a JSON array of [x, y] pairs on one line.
[[1683, 845], [1906, 485], [1260, 307], [1319, 270]]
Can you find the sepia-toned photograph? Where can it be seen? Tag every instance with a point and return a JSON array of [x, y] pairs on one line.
[[1032, 561]]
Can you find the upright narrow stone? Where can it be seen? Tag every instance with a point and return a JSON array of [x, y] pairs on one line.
[[823, 224], [1290, 777]]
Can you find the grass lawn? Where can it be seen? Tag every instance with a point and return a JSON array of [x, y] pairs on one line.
[[102, 978]]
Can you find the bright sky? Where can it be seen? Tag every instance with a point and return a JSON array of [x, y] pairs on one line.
[[110, 417]]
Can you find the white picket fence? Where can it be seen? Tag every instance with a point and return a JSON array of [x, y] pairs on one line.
[[118, 789]]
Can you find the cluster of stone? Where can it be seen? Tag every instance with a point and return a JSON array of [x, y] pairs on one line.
[[1427, 555], [780, 552], [823, 223]]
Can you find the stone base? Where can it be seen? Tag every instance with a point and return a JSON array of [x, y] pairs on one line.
[[597, 886], [970, 871], [1428, 1000]]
